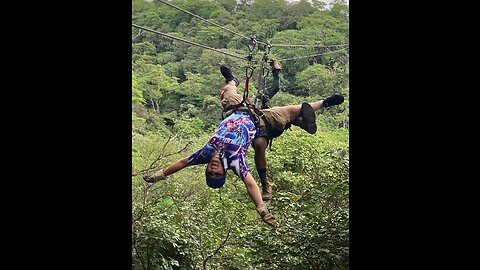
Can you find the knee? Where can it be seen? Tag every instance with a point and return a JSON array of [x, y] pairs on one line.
[[260, 145]]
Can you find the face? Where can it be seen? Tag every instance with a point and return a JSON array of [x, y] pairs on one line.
[[214, 168]]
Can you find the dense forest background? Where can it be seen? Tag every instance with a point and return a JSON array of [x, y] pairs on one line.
[[180, 223]]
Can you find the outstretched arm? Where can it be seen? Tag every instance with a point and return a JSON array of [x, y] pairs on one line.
[[200, 157], [163, 173], [175, 167], [254, 193], [276, 79], [275, 84]]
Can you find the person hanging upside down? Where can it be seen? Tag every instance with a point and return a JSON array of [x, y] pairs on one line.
[[227, 148], [274, 121]]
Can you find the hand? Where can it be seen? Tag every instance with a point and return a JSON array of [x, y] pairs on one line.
[[154, 177], [270, 220], [275, 64]]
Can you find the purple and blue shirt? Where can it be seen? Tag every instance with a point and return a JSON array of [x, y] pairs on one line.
[[232, 138]]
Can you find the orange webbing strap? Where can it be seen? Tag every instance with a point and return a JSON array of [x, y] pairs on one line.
[[248, 76]]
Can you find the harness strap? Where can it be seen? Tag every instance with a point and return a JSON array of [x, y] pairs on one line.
[[248, 108]]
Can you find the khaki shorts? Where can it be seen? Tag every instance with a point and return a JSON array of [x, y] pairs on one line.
[[230, 99], [278, 117]]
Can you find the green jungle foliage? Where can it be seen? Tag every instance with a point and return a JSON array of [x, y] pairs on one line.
[[180, 223]]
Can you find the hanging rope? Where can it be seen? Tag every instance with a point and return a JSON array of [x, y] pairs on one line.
[[250, 68], [264, 74], [251, 47], [188, 42]]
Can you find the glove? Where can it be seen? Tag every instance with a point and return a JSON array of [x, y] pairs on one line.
[[270, 220], [155, 177], [275, 64]]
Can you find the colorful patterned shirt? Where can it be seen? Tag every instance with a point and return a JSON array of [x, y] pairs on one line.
[[232, 137]]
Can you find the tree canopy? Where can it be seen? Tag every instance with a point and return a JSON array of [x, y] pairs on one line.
[[180, 223]]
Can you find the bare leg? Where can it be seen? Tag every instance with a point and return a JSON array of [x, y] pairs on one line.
[[294, 110], [229, 87], [316, 105], [260, 145], [254, 193]]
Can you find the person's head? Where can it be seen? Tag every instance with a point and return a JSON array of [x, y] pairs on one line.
[[216, 172]]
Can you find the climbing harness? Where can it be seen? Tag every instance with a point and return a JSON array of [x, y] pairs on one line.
[[252, 109], [248, 75]]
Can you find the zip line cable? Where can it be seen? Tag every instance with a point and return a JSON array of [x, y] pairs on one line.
[[235, 33], [294, 58], [316, 46], [203, 19], [219, 51], [186, 41]]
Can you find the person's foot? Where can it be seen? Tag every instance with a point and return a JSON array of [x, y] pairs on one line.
[[335, 99], [307, 116], [227, 74], [267, 193]]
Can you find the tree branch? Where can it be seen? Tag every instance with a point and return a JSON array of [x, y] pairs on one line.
[[220, 247], [139, 257], [153, 165], [139, 33], [146, 191]]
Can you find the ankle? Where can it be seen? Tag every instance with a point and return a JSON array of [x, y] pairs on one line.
[[265, 186], [297, 121], [232, 81]]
